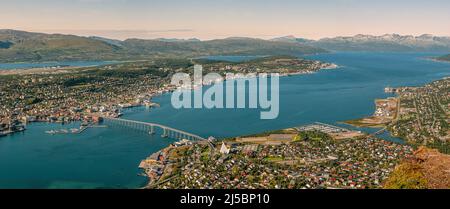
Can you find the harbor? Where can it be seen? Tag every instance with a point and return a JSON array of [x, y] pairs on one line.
[[75, 130]]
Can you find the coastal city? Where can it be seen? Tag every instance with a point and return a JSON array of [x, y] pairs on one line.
[[225, 103], [312, 156], [321, 155], [64, 96], [68, 97], [419, 115], [306, 157], [424, 115]]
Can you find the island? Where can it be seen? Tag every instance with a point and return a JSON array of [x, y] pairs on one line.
[[69, 94]]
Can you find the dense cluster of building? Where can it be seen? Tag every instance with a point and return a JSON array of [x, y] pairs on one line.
[[284, 65], [70, 95], [314, 161], [424, 114], [386, 109]]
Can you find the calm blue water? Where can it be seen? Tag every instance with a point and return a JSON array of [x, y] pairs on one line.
[[105, 158], [25, 65]]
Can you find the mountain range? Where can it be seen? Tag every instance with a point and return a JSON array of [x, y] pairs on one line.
[[384, 43], [16, 46]]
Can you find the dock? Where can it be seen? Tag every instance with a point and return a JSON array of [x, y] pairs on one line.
[[75, 131]]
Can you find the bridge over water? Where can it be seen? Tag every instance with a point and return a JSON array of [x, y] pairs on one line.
[[379, 132], [149, 128]]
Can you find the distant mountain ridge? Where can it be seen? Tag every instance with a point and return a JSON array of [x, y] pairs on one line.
[[18, 46], [178, 40], [384, 43], [444, 58], [107, 40], [292, 39], [26, 46]]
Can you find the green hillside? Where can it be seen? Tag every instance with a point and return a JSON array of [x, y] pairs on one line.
[[229, 46], [16, 46], [24, 46]]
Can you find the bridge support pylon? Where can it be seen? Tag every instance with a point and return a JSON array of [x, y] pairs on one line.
[[165, 133], [152, 130], [149, 128]]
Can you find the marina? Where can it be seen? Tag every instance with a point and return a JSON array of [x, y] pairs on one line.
[[74, 130]]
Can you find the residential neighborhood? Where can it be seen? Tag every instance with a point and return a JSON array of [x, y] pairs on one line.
[[308, 160]]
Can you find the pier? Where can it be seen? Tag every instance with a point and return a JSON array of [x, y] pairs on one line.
[[150, 128], [326, 128], [74, 130]]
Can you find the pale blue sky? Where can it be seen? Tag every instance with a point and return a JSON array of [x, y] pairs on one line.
[[208, 19]]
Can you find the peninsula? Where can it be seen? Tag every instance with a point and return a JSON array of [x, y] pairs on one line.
[[304, 157], [419, 115]]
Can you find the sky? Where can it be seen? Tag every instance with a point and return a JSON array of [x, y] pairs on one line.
[[213, 19]]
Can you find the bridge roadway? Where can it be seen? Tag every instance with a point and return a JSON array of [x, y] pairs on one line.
[[168, 132], [378, 132]]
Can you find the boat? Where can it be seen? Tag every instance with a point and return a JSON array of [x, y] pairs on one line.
[[151, 104], [21, 129]]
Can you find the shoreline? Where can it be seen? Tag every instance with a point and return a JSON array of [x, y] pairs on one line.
[[63, 68], [396, 122], [436, 59], [155, 105], [194, 87], [164, 90]]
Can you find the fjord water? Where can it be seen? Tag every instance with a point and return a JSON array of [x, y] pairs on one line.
[[109, 157]]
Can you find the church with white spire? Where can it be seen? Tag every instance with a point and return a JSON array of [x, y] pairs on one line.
[[224, 149]]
